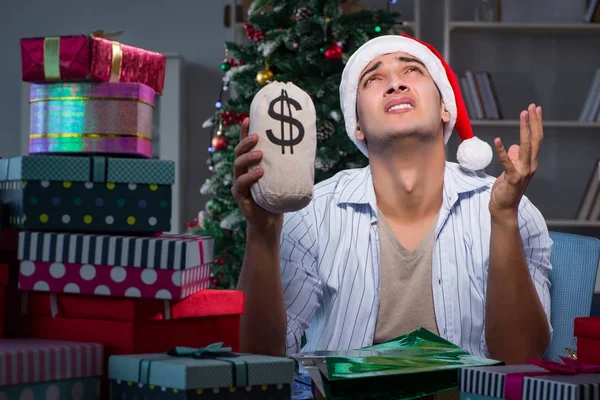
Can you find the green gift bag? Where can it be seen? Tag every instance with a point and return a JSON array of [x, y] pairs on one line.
[[411, 366]]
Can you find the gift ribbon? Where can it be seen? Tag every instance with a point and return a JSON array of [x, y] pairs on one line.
[[213, 351], [52, 58], [513, 383], [117, 54], [89, 135], [117, 62]]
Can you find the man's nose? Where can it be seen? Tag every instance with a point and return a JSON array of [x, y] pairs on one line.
[[396, 86]]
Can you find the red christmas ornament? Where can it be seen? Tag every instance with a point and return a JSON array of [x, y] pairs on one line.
[[333, 52], [253, 34], [214, 282], [229, 118], [219, 142]]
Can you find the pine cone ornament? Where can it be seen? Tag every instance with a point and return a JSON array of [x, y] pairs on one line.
[[304, 13], [326, 131], [324, 164]]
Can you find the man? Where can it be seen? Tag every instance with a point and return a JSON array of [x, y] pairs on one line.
[[409, 241]]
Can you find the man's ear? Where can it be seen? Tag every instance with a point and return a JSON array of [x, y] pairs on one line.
[[358, 133], [445, 114]]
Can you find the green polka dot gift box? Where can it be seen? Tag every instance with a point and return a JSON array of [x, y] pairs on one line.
[[213, 372], [87, 194]]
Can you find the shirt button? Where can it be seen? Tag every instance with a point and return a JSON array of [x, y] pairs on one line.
[[440, 281], [445, 331]]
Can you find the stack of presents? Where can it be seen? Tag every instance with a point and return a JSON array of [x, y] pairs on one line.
[[98, 302], [95, 293]]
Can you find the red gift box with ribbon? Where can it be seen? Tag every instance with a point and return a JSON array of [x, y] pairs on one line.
[[134, 326], [76, 58], [587, 332], [127, 326]]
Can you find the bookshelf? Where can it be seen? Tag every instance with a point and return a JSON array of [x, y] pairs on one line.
[[547, 124], [533, 28], [550, 63]]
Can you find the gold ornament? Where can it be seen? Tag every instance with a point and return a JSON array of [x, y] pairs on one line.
[[264, 76]]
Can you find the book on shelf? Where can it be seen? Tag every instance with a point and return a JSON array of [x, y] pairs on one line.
[[591, 107], [592, 14], [589, 209], [480, 95]]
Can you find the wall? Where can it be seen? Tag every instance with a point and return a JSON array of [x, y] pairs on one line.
[[190, 27]]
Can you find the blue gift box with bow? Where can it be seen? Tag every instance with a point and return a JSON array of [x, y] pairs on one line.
[[210, 372]]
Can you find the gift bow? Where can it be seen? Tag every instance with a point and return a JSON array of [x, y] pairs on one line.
[[239, 367], [568, 366], [212, 350], [513, 383]]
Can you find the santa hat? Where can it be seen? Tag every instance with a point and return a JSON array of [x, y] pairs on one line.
[[473, 153]]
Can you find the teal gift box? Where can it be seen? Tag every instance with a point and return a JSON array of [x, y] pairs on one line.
[[87, 194], [208, 373]]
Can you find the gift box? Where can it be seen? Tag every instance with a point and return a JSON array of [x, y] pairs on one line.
[[91, 118], [587, 332], [47, 369], [415, 365], [87, 194], [101, 280], [539, 380], [67, 389], [76, 58], [129, 326], [165, 252], [3, 284], [213, 372]]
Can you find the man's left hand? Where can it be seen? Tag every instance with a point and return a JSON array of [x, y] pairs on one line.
[[519, 163]]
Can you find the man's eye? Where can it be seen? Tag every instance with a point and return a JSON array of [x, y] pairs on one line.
[[413, 68], [372, 78]]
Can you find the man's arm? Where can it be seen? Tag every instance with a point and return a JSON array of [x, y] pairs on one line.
[[267, 319], [281, 285], [517, 326], [263, 324]]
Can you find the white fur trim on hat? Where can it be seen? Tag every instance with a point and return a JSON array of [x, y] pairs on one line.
[[474, 154], [384, 45]]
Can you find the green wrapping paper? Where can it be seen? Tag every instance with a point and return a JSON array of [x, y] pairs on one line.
[[411, 366]]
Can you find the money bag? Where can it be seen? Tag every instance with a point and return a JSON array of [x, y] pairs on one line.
[[284, 117]]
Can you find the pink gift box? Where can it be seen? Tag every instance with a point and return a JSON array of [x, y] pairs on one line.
[[76, 58], [39, 360], [102, 280]]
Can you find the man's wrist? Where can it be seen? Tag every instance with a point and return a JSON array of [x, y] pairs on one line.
[[505, 218], [267, 235]]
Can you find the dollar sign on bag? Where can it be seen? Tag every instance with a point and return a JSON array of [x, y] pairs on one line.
[[285, 119]]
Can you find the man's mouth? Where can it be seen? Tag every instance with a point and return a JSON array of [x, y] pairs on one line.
[[401, 105]]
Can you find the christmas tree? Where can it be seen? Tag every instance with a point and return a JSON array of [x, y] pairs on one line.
[[304, 42]]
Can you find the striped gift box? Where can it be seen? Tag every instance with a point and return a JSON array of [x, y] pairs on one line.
[[164, 252], [563, 387], [489, 382], [38, 360]]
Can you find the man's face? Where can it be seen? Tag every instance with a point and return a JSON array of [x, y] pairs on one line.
[[398, 98]]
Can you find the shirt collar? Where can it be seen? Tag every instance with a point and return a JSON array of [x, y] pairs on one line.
[[456, 181]]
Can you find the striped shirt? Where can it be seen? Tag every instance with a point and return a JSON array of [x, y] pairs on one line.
[[330, 262]]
